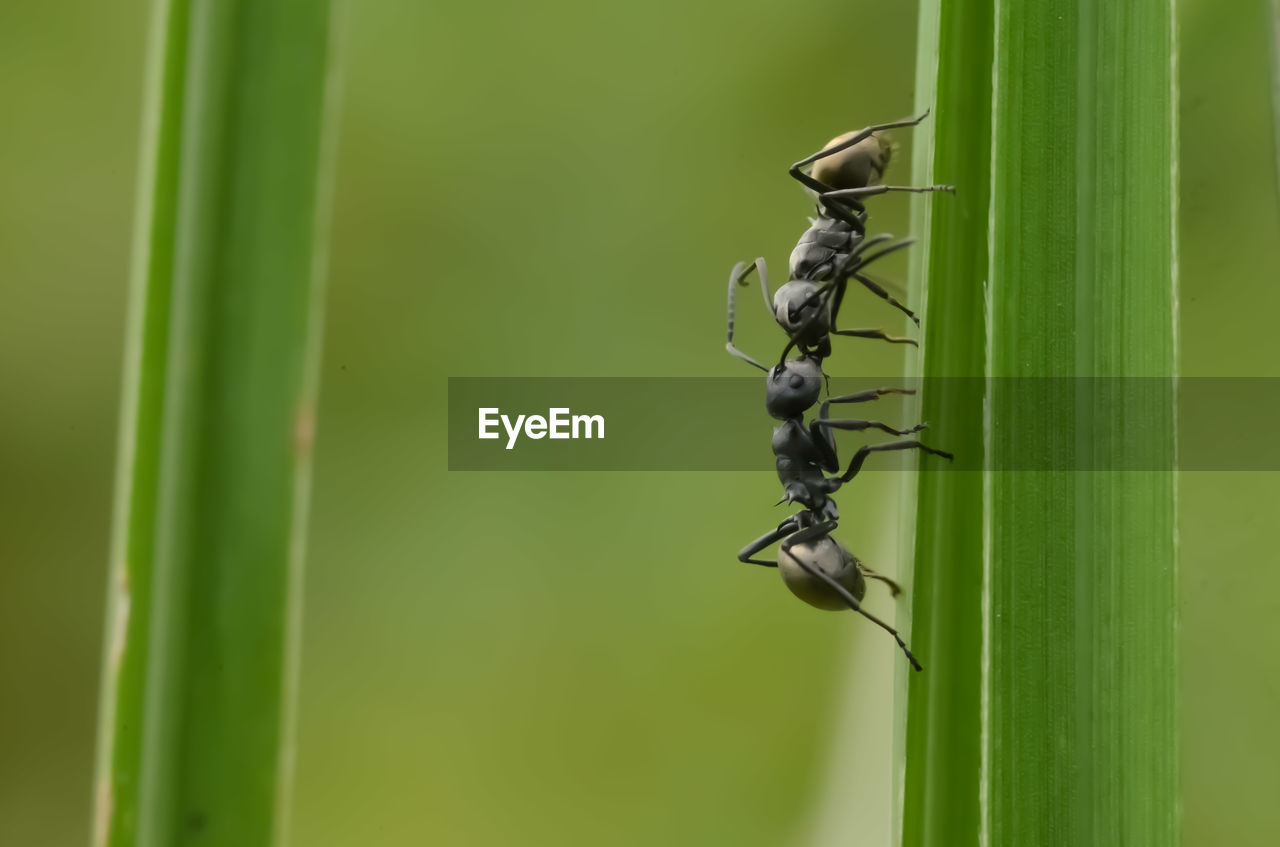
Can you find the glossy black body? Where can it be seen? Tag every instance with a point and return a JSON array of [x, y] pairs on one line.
[[814, 565]]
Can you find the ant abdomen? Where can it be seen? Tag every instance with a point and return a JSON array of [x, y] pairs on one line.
[[854, 167], [829, 556]]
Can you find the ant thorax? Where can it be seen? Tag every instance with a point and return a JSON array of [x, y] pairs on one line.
[[822, 247], [799, 462]]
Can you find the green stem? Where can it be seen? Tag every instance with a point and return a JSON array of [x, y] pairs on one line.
[[944, 702], [1053, 718], [217, 427]]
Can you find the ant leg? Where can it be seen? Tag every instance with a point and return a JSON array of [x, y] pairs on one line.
[[859, 426], [871, 190], [784, 529], [875, 289], [809, 533], [824, 439], [757, 265], [863, 426], [837, 298], [856, 261], [866, 450], [734, 276], [870, 394], [862, 246], [762, 271], [842, 203], [809, 182], [851, 601], [875, 333], [852, 212], [894, 588], [894, 286], [853, 264], [854, 258]]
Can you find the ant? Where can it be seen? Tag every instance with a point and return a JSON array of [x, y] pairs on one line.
[[834, 248], [804, 454], [843, 172], [806, 309]]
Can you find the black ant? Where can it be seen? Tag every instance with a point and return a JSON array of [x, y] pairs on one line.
[[806, 309], [804, 455], [840, 175], [834, 248]]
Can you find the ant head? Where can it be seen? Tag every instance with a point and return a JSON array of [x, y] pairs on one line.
[[857, 167], [792, 388], [794, 304]]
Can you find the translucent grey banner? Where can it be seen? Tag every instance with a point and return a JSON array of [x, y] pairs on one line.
[[720, 424]]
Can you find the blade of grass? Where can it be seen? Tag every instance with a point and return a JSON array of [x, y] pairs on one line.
[[120, 715], [1275, 89], [1081, 728], [1070, 694], [943, 721], [217, 427]]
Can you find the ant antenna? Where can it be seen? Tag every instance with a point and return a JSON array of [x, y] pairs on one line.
[[734, 276]]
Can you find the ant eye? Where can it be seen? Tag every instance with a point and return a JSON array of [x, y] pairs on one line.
[[797, 382]]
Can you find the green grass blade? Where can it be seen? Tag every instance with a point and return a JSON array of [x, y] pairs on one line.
[[217, 427], [1057, 725], [1081, 736], [1275, 89], [943, 722], [129, 591]]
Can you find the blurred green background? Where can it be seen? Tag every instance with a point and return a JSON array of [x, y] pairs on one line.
[[561, 189]]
